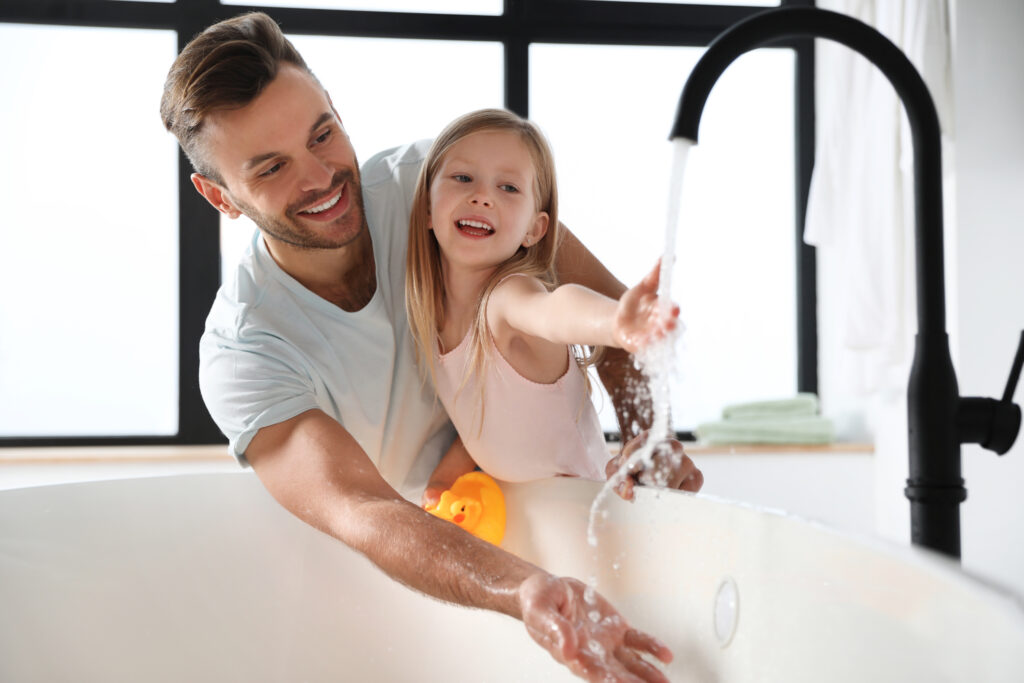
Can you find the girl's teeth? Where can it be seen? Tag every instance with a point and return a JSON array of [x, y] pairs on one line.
[[476, 224]]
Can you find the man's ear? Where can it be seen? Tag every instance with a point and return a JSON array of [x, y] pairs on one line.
[[215, 194]]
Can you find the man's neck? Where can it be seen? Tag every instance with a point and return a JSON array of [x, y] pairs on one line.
[[346, 276]]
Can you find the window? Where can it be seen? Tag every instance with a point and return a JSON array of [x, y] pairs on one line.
[[609, 129], [433, 7], [89, 316], [99, 345]]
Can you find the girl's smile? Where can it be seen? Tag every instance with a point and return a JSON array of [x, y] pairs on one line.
[[474, 227]]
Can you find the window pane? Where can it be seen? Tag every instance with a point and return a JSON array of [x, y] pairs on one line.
[[735, 274], [754, 3], [395, 98], [490, 7], [89, 315]]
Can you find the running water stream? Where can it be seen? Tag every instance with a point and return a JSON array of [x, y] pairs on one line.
[[656, 362]]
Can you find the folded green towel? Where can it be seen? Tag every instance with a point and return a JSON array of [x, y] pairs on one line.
[[812, 429], [801, 405]]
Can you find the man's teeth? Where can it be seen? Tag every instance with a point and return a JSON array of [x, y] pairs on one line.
[[326, 205], [475, 224]]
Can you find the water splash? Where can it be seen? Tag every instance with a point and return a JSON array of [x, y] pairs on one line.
[[656, 362]]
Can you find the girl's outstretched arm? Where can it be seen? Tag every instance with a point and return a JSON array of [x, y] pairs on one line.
[[573, 314]]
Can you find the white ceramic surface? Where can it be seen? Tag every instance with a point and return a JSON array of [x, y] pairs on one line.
[[205, 578]]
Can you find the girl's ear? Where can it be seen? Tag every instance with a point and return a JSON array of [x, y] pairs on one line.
[[537, 230]]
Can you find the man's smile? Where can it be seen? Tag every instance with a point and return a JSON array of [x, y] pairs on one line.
[[329, 208]]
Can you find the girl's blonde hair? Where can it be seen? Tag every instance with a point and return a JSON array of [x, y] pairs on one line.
[[424, 290]]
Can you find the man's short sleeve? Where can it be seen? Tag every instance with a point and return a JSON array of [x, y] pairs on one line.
[[250, 385]]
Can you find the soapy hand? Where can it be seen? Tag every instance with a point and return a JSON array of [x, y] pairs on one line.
[[670, 467], [641, 318], [588, 635]]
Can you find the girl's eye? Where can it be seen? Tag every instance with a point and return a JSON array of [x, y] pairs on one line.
[[461, 178], [508, 188]]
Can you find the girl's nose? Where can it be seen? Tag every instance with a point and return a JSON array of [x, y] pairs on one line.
[[481, 198]]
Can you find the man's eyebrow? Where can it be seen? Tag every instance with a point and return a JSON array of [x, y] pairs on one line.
[[260, 158], [321, 120], [257, 160]]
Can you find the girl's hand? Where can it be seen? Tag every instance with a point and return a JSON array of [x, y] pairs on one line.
[[432, 494], [640, 318], [453, 465]]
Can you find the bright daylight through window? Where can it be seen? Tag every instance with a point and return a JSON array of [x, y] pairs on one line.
[[98, 345]]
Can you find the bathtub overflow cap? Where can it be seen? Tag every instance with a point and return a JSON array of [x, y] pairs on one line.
[[727, 609]]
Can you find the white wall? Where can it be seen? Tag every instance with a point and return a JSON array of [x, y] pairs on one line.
[[989, 55], [830, 487]]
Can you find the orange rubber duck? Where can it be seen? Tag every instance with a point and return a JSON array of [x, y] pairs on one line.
[[475, 503]]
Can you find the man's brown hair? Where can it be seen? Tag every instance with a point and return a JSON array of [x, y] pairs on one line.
[[225, 67]]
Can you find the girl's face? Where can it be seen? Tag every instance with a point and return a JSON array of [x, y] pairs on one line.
[[482, 203]]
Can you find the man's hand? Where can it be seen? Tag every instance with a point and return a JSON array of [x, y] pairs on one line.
[[670, 468], [590, 637]]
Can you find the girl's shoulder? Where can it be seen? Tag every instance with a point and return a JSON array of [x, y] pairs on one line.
[[519, 282], [510, 289], [507, 297]]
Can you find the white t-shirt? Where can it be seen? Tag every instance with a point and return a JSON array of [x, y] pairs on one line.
[[272, 349]]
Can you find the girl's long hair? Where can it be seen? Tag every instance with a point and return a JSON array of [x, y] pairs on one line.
[[424, 291]]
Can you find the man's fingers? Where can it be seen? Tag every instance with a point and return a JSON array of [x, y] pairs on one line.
[[600, 667], [694, 482], [638, 640], [624, 489], [639, 667]]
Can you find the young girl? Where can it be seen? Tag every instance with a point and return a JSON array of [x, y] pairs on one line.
[[492, 329]]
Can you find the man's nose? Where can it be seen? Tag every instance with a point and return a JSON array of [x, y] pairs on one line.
[[317, 174]]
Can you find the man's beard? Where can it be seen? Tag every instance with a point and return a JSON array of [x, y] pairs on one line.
[[291, 231]]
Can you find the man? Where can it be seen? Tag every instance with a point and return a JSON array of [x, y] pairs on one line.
[[306, 362]]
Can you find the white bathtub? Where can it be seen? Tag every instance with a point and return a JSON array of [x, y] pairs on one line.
[[205, 578]]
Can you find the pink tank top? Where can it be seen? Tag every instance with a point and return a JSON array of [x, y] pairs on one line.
[[530, 430]]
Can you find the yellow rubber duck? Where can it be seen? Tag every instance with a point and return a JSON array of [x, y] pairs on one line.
[[475, 503]]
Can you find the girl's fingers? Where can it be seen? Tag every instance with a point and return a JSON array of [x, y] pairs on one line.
[[652, 278]]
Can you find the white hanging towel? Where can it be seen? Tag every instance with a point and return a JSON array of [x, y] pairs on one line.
[[861, 195]]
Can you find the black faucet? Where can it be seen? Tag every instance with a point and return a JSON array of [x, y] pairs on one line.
[[939, 418]]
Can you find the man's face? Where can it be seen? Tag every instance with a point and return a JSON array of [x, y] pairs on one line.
[[287, 164]]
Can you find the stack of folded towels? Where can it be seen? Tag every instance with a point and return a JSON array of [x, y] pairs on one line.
[[781, 421]]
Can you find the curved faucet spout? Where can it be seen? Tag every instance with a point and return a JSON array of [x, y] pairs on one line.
[[935, 487], [774, 25]]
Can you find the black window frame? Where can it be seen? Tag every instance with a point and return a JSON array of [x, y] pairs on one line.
[[522, 22]]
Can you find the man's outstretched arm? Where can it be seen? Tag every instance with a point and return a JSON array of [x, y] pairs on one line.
[[313, 467]]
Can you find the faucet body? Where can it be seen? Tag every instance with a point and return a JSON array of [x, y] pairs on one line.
[[939, 420]]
